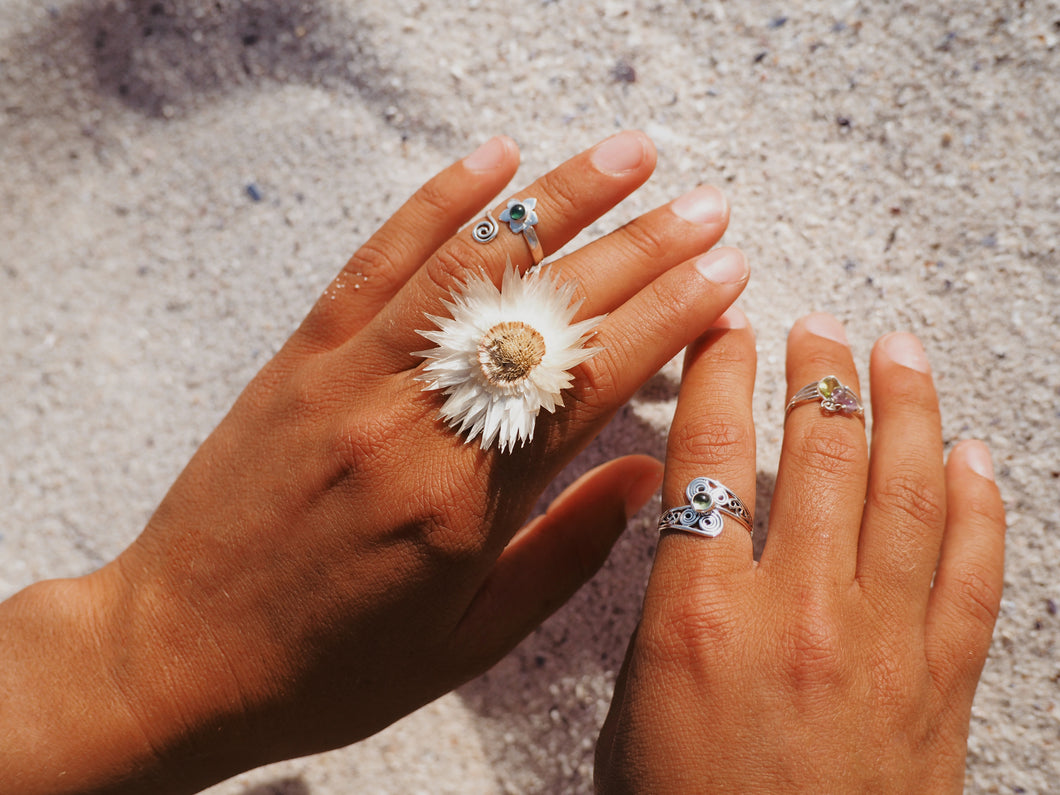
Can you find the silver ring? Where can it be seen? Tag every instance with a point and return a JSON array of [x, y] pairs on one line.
[[833, 396], [521, 219], [707, 501]]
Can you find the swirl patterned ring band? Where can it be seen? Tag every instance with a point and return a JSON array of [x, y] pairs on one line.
[[707, 501], [521, 219], [833, 396]]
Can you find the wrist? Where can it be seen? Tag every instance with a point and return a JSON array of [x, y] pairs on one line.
[[174, 682], [65, 726]]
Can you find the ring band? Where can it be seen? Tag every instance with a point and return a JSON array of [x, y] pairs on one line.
[[707, 501], [833, 396], [521, 219]]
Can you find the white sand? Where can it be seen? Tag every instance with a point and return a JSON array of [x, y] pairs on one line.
[[896, 164]]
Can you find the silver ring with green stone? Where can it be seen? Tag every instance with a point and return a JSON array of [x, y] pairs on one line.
[[708, 503], [834, 397], [521, 218]]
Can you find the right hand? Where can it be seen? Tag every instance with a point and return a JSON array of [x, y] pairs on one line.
[[846, 660]]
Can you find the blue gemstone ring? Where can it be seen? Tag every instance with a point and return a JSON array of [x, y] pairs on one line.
[[708, 501], [521, 217]]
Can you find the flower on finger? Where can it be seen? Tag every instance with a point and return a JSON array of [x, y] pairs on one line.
[[505, 354]]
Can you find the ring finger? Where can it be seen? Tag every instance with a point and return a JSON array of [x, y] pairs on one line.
[[820, 490]]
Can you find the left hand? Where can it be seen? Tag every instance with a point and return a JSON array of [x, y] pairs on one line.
[[334, 556]]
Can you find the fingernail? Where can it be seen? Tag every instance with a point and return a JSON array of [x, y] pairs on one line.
[[977, 455], [642, 490], [488, 156], [723, 266], [619, 153], [824, 325], [906, 350], [703, 205], [733, 317]]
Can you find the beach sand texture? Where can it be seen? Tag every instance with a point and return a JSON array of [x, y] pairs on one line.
[[179, 180]]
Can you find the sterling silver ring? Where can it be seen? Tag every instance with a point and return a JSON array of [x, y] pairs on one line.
[[521, 219], [833, 396], [707, 501]]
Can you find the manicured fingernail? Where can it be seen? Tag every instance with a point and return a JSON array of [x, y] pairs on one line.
[[620, 153], [703, 205], [733, 317], [906, 350], [977, 455], [488, 156], [723, 266], [642, 490], [824, 325]]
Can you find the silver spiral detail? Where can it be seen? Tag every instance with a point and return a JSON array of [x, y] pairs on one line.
[[711, 524], [706, 517], [486, 229]]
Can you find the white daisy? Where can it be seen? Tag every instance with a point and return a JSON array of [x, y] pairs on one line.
[[505, 354]]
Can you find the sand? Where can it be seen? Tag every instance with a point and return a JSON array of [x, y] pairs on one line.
[[180, 179]]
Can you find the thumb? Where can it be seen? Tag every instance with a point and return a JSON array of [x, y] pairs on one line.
[[555, 554]]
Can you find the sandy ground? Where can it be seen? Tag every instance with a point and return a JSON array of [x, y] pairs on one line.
[[179, 179]]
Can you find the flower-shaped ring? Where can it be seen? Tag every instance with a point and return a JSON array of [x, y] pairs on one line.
[[521, 218]]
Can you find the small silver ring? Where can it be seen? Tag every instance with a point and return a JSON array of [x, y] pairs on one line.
[[834, 397], [708, 500], [521, 218]]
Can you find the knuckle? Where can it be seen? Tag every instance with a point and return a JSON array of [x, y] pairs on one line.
[[689, 631], [811, 648], [892, 678], [911, 392], [442, 537], [673, 297], [830, 446], [979, 600], [434, 201], [378, 261], [455, 261], [362, 442], [644, 239], [300, 398], [986, 506], [596, 383], [561, 195], [710, 440], [910, 494]]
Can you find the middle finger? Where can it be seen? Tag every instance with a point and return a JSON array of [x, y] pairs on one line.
[[568, 198]]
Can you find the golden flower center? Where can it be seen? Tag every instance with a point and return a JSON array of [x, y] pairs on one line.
[[509, 351]]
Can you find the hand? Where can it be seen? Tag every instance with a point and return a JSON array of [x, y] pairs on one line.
[[334, 556], [847, 658]]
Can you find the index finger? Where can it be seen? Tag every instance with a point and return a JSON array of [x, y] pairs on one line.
[[712, 436]]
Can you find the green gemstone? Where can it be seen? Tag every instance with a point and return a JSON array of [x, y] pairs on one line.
[[702, 502], [517, 212], [827, 385]]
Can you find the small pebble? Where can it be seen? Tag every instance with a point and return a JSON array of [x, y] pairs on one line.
[[623, 72]]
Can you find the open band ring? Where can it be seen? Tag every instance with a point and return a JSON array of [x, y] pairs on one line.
[[521, 219], [707, 501], [833, 396]]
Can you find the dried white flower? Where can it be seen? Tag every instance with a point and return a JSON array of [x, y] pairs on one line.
[[505, 354]]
